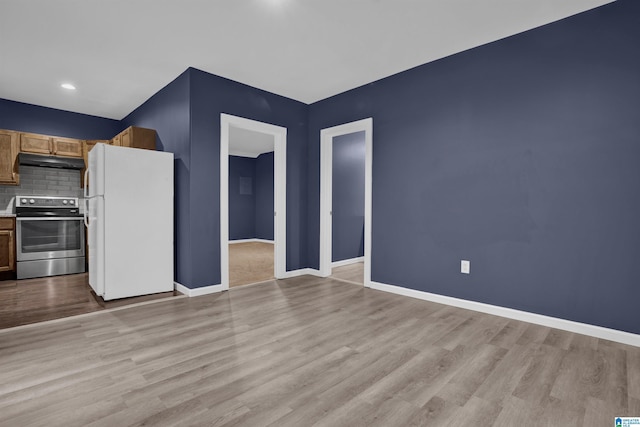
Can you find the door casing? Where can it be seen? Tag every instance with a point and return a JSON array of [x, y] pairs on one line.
[[279, 192], [326, 192]]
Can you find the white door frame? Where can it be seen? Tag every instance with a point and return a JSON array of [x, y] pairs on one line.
[[279, 192], [326, 192]]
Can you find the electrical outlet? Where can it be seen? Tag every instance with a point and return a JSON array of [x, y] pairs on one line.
[[465, 266]]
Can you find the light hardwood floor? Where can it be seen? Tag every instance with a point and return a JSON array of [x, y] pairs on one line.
[[353, 273], [36, 300], [309, 351]]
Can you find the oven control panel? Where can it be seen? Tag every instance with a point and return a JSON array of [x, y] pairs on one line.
[[45, 202]]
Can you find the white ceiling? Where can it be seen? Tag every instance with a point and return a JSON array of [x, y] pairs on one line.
[[249, 143], [120, 52]]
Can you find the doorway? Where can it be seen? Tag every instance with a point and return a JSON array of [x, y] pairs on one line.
[[251, 220], [274, 139], [328, 137]]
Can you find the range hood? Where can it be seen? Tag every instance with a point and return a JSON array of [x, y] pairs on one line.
[[50, 161]]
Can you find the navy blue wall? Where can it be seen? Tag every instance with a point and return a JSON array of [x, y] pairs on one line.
[[251, 215], [347, 217], [242, 203], [49, 121], [186, 114], [210, 96], [520, 156], [264, 196], [168, 112]]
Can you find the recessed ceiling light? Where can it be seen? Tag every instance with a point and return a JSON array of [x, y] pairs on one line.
[[68, 86], [276, 3]]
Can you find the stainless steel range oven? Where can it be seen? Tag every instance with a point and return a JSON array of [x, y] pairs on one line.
[[49, 236]]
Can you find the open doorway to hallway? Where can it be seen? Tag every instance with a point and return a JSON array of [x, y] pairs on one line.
[[250, 262], [252, 200]]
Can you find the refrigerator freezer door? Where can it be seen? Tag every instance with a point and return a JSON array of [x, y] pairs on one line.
[[138, 222], [94, 215], [95, 171]]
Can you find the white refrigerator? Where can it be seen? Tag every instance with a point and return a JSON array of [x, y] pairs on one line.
[[129, 217]]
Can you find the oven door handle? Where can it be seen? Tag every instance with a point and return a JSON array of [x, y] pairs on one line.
[[49, 218]]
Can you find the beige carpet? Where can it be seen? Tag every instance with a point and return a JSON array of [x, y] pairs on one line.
[[351, 273], [250, 263]]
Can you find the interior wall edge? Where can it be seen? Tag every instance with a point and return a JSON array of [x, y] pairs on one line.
[[302, 272], [349, 261], [196, 292]]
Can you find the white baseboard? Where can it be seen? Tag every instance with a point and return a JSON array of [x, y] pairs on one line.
[[205, 290], [196, 292], [231, 242], [347, 262], [538, 319], [302, 272]]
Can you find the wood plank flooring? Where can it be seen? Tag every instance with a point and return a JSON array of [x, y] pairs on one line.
[[353, 273], [309, 351], [36, 300]]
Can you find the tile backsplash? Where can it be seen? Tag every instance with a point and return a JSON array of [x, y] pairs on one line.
[[41, 181]]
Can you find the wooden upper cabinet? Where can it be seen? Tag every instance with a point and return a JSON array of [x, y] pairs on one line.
[[125, 137], [135, 137], [9, 157], [34, 143], [12, 143], [66, 147], [43, 144]]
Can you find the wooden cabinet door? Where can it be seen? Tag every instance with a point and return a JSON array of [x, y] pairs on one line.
[[135, 137], [6, 250], [67, 147], [7, 244], [125, 138], [143, 138], [9, 157], [34, 143]]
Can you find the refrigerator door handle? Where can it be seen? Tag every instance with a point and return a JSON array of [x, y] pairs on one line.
[[86, 183], [86, 211]]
